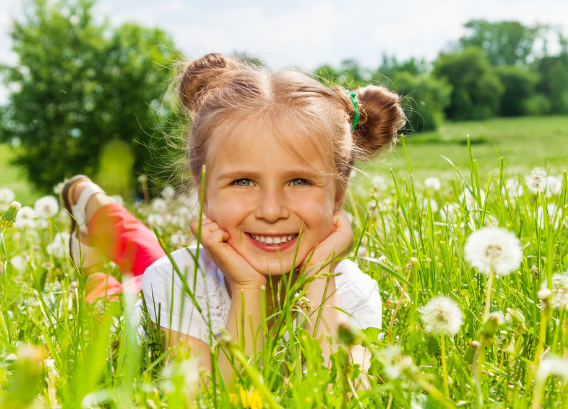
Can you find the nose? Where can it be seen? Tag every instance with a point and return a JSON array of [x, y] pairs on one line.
[[272, 206]]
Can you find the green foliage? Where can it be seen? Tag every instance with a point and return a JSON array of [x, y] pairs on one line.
[[476, 89], [553, 82], [80, 84], [503, 42], [350, 75], [390, 66], [425, 99], [56, 350], [519, 86]]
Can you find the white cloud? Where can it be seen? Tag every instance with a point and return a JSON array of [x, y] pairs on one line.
[[307, 34]]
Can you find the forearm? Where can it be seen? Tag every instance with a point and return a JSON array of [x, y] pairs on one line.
[[324, 319], [244, 325]]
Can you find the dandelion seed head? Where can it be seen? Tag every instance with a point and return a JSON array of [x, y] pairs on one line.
[[57, 248], [514, 187], [178, 239], [19, 263], [168, 193], [553, 365], [159, 205], [433, 205], [25, 218], [470, 201], [46, 207], [560, 291], [536, 181], [493, 248], [449, 212], [553, 185], [379, 182], [6, 195], [441, 315], [156, 220], [433, 183]]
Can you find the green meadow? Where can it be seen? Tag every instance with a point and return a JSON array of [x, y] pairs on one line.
[[494, 248]]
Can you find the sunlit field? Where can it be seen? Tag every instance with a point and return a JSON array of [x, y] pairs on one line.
[[471, 268]]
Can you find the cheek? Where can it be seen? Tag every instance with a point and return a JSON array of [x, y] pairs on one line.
[[227, 213], [318, 218]]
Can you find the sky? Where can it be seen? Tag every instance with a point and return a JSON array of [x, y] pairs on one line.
[[306, 34]]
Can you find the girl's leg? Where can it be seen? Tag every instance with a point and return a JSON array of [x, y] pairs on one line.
[[123, 239]]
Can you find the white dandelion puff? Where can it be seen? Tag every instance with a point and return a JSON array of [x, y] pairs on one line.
[[168, 193], [560, 291], [493, 249], [552, 216], [46, 207], [442, 315], [156, 219], [159, 205], [470, 201], [25, 218], [553, 185], [553, 365], [19, 263], [449, 212], [379, 182], [57, 248], [433, 205], [514, 187], [536, 181], [178, 239], [7, 196], [41, 224], [433, 183]]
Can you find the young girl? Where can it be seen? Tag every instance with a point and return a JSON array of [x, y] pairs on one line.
[[278, 149]]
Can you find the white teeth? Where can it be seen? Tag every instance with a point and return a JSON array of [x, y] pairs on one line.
[[273, 240]]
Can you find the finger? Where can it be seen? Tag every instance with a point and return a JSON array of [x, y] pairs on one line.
[[207, 225]]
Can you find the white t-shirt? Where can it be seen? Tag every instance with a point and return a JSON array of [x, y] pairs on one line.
[[163, 289]]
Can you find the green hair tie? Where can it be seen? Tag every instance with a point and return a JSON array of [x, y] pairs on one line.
[[353, 97]]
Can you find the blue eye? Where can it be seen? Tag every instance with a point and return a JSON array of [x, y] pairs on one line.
[[299, 182], [243, 182]]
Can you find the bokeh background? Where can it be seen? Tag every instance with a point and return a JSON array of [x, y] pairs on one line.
[[87, 86]]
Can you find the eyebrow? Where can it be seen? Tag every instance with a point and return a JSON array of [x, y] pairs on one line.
[[253, 174]]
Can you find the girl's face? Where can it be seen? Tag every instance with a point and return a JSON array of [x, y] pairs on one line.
[[262, 195]]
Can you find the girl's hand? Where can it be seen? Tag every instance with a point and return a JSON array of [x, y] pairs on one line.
[[333, 246], [236, 269]]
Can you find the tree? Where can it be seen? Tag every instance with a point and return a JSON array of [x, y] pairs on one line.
[[503, 42], [476, 89], [553, 82], [425, 99], [79, 85], [519, 86]]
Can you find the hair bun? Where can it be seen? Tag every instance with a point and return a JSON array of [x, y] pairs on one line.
[[380, 118], [203, 75]]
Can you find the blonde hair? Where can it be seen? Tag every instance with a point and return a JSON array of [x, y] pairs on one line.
[[217, 89]]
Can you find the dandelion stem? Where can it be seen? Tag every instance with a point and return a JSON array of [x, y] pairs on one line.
[[557, 331], [488, 298], [538, 352], [444, 366], [476, 368], [410, 268]]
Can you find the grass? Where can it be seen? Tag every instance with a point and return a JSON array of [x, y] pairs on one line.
[[14, 178], [524, 143], [58, 350]]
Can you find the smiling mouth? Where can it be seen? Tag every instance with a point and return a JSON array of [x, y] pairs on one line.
[[273, 240]]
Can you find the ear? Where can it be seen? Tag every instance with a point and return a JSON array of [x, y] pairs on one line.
[[339, 199]]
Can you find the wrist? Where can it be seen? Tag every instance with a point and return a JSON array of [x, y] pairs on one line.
[[249, 285]]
